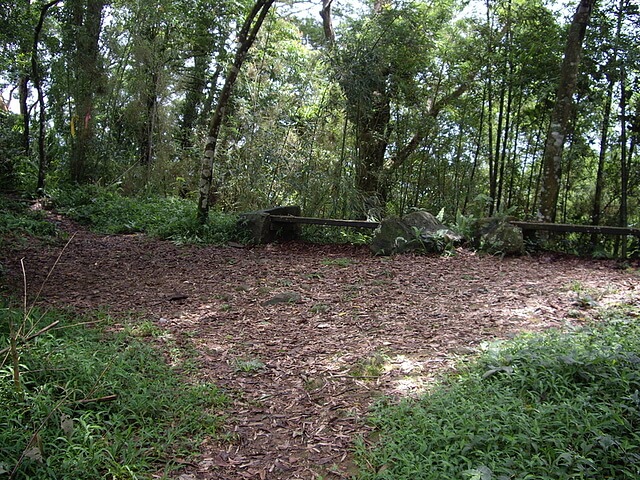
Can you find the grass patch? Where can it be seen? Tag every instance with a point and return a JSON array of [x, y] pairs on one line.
[[171, 218], [60, 421], [17, 222], [338, 262], [251, 365], [558, 405], [325, 234]]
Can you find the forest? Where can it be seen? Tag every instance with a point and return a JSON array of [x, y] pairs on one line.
[[144, 335], [348, 109]]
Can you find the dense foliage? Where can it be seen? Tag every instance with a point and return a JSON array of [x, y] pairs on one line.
[[409, 105], [88, 400], [559, 405]]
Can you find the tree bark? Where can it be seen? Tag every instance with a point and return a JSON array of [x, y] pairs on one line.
[[604, 132], [556, 136], [624, 164], [86, 23], [327, 24], [246, 37], [37, 83]]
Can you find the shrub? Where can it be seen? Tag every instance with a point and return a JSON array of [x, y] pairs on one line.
[[559, 405], [61, 421], [172, 218]]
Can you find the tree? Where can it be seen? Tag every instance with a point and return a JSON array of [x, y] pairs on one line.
[[246, 38], [559, 125], [84, 19], [389, 66], [36, 77]]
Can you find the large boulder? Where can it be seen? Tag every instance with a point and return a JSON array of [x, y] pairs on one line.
[[497, 236], [417, 231], [392, 236], [261, 230]]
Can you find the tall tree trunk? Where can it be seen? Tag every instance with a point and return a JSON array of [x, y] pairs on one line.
[[552, 158], [246, 37], [624, 164], [604, 131], [195, 95], [37, 82], [476, 153], [23, 92], [372, 138], [604, 138], [86, 21]]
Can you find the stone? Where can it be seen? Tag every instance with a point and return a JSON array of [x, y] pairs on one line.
[[497, 236], [260, 228], [415, 232], [285, 297], [392, 236]]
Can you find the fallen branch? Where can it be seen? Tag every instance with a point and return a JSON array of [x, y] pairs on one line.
[[107, 398], [31, 337]]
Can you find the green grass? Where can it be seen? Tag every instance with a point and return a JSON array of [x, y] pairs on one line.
[[171, 218], [323, 234], [17, 223], [48, 431], [558, 405]]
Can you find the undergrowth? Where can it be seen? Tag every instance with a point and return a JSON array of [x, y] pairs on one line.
[[172, 218], [557, 405], [90, 403], [324, 234], [17, 222]]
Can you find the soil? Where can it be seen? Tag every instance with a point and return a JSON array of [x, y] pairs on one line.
[[305, 338]]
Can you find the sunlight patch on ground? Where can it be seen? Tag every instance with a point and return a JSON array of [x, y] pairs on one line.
[[413, 376]]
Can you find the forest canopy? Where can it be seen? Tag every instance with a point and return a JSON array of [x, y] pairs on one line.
[[370, 109]]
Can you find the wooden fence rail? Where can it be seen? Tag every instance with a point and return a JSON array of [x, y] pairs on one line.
[[284, 222], [570, 228]]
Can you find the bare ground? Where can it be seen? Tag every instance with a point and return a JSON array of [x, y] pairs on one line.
[[354, 327]]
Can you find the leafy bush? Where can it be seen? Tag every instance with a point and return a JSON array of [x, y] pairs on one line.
[[57, 423], [342, 235], [17, 221], [107, 211], [560, 405]]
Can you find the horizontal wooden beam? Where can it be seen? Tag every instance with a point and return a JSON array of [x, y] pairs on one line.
[[550, 227], [567, 228], [323, 221]]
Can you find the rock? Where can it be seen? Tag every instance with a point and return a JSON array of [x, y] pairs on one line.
[[260, 230], [417, 231], [425, 221], [391, 237], [285, 297], [497, 236]]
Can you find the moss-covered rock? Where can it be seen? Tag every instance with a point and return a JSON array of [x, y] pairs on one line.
[[417, 231], [495, 235]]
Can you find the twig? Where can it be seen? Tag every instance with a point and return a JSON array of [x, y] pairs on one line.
[[45, 280], [31, 337], [107, 398], [35, 436], [24, 287]]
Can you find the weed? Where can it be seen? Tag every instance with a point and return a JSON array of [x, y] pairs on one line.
[[329, 234], [338, 262], [320, 308], [107, 211], [557, 405], [96, 404], [18, 222], [248, 365], [370, 367], [144, 329]]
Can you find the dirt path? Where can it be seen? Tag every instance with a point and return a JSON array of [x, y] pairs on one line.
[[306, 337]]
